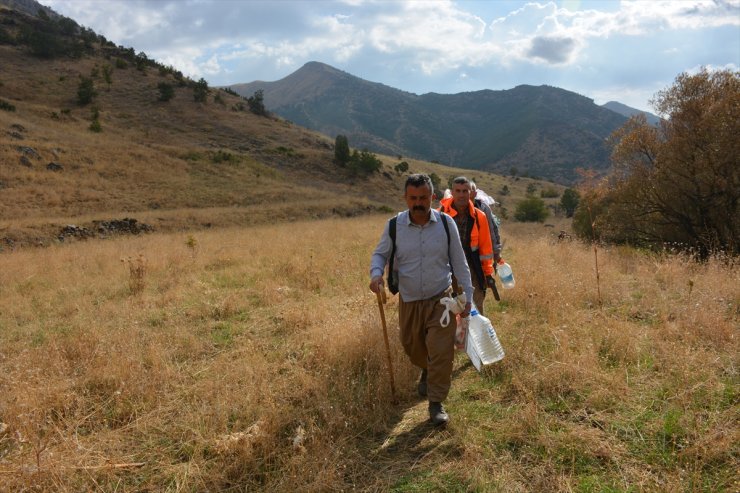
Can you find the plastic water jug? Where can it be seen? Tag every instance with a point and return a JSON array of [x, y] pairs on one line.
[[505, 274], [482, 344]]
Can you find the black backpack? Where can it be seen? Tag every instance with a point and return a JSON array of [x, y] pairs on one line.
[[392, 274]]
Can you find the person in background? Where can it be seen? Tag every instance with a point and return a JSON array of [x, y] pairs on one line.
[[426, 254], [472, 225], [492, 223]]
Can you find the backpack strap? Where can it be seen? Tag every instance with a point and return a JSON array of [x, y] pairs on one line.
[[447, 231], [392, 278], [442, 215]]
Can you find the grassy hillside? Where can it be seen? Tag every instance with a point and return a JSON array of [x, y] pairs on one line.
[[174, 165], [208, 362]]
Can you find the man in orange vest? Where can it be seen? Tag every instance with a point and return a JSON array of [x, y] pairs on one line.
[[475, 237]]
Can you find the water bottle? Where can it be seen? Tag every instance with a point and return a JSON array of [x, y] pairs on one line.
[[505, 274], [483, 339]]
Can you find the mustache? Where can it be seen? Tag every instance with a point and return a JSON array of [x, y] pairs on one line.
[[418, 208]]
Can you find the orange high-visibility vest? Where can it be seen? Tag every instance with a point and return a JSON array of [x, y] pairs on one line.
[[480, 236]]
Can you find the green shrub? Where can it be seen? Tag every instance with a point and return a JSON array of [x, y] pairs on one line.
[[95, 126], [364, 162], [436, 181], [200, 91], [4, 105], [224, 157], [85, 91], [531, 209], [5, 37], [257, 104], [569, 201], [107, 74], [549, 193], [341, 150], [166, 91], [401, 167], [285, 150], [141, 61], [121, 64]]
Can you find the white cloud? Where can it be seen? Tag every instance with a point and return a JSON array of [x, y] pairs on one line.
[[420, 42], [552, 49], [712, 68], [211, 66]]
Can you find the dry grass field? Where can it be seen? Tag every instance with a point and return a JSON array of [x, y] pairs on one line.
[[202, 357], [216, 361]]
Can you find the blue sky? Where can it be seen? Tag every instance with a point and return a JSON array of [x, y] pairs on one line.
[[606, 50]]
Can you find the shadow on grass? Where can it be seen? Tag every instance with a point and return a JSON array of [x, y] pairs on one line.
[[410, 446]]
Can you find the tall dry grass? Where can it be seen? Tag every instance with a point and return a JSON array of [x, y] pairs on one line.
[[253, 360]]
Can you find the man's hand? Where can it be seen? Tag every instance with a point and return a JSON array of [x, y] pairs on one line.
[[466, 313], [376, 284], [490, 282]]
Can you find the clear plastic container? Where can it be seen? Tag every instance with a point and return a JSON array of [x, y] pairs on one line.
[[505, 274], [482, 344]]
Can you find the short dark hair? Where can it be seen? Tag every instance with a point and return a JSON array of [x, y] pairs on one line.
[[418, 180], [461, 180]]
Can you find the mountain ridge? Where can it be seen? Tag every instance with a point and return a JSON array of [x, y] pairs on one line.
[[628, 111], [541, 131]]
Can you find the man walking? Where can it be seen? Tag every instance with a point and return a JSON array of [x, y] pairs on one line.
[[475, 237], [492, 222], [427, 250]]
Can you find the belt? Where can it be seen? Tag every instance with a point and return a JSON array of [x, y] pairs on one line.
[[436, 297]]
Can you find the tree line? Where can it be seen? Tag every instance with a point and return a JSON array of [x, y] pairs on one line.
[[364, 161], [676, 184]]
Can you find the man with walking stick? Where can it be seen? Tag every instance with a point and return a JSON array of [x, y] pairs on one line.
[[422, 248]]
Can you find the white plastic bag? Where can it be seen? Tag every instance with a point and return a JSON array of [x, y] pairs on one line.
[[484, 197], [452, 305]]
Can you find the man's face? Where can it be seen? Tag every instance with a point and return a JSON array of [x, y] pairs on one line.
[[460, 195], [419, 200]]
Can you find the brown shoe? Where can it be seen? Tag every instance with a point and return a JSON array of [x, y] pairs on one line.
[[437, 414]]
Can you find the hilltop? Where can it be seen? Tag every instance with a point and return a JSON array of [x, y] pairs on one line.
[[174, 165], [541, 131], [628, 111]]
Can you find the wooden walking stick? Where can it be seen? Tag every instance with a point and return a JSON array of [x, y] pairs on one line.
[[381, 301]]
